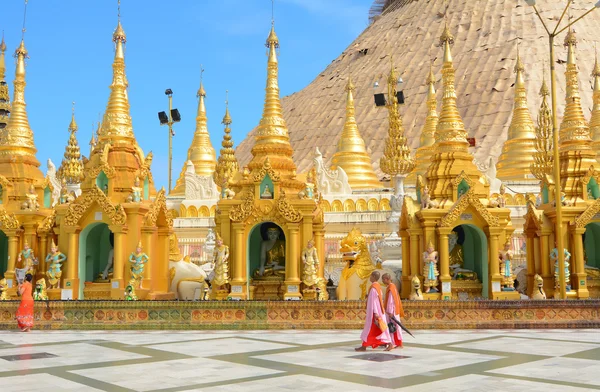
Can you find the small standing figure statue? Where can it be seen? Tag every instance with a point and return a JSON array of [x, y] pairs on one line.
[[27, 261], [31, 203], [309, 189], [39, 293], [502, 197], [221, 264], [136, 194], [430, 271], [130, 294], [310, 262], [506, 256], [64, 192], [138, 260], [54, 260], [554, 256]]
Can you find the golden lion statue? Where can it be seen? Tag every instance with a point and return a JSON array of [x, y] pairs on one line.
[[416, 293], [538, 289], [3, 287], [39, 293]]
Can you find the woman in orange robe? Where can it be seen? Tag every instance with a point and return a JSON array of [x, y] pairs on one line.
[[25, 312]]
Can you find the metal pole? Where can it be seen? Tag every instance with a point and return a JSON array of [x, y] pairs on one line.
[[557, 183], [170, 138]]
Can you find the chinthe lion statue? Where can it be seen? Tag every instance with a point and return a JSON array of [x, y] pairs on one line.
[[538, 288], [184, 276], [354, 280], [415, 292]]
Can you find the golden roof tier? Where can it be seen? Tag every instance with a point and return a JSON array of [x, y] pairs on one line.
[[227, 165], [576, 154], [71, 168], [451, 157], [116, 160], [351, 154], [519, 148], [595, 120], [409, 30], [271, 138], [18, 162], [426, 148], [201, 152], [4, 97]]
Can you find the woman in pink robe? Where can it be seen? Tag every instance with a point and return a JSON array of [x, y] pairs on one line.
[[375, 333]]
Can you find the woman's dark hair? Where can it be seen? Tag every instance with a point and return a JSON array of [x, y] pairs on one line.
[[29, 277]]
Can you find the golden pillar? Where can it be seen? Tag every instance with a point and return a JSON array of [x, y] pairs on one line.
[[579, 265], [536, 254], [529, 246], [160, 276], [320, 244], [292, 278], [42, 255], [149, 247], [547, 271], [13, 244], [238, 282], [406, 270], [119, 262], [494, 276], [71, 281], [415, 259], [444, 256]]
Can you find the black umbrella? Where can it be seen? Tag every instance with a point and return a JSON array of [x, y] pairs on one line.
[[402, 326]]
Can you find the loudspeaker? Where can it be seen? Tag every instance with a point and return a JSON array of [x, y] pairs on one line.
[[162, 117], [400, 97], [379, 99], [175, 115]]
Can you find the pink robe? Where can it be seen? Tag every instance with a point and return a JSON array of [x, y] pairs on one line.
[[390, 308], [372, 334]]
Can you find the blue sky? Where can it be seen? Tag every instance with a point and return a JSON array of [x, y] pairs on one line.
[[71, 51]]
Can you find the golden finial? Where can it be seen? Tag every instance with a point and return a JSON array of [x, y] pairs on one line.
[[71, 168], [2, 61], [396, 159], [201, 92], [4, 96], [595, 119], [119, 34], [227, 164], [542, 158], [73, 124], [518, 150], [226, 118], [351, 154], [272, 40]]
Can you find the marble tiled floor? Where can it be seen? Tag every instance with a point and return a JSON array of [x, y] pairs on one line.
[[323, 361]]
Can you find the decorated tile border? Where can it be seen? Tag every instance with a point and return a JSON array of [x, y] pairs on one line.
[[302, 315]]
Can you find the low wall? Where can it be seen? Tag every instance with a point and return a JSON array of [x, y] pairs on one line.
[[302, 315]]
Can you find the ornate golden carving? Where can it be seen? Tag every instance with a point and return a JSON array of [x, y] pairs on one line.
[[227, 164], [586, 216], [243, 211], [71, 168], [81, 205], [94, 171], [8, 221], [47, 224], [542, 163], [266, 169], [159, 204], [287, 210], [466, 200]]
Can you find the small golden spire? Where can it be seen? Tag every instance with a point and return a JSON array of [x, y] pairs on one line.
[[116, 124], [426, 148], [351, 154], [595, 120], [227, 164], [519, 148], [71, 168], [201, 152], [4, 96], [396, 159], [542, 158], [576, 155]]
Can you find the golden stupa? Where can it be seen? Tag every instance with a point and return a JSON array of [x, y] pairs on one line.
[[227, 165], [595, 119], [4, 96], [517, 153], [71, 168], [351, 154], [201, 152]]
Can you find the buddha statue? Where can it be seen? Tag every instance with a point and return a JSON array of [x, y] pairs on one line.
[[506, 268], [136, 194], [554, 258], [266, 194], [430, 271], [272, 255], [137, 261], [456, 259], [221, 264], [310, 263], [54, 261], [26, 262]]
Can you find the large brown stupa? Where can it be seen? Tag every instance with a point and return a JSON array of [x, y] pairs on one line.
[[484, 54]]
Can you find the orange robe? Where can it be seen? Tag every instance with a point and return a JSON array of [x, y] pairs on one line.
[[393, 306], [24, 314], [375, 333]]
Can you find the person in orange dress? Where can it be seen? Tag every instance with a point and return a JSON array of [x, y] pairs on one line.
[[393, 308], [375, 332], [25, 312]]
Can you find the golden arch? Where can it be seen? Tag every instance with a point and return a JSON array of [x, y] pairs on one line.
[[520, 200], [174, 213], [373, 205], [361, 205], [192, 212], [325, 206], [337, 206], [213, 211], [384, 205], [203, 212], [510, 201], [349, 206], [182, 211]]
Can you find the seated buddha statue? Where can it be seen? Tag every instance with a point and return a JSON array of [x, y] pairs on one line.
[[456, 259], [272, 255]]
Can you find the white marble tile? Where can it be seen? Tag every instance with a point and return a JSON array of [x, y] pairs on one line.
[[308, 339], [41, 383], [293, 383], [528, 346], [171, 374], [66, 354], [478, 383], [341, 359], [573, 370], [166, 337], [210, 348], [570, 335]]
